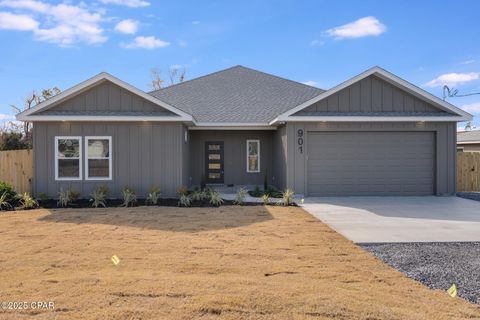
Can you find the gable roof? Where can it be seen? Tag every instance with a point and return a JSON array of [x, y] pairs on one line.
[[30, 115], [465, 137], [457, 114], [237, 95]]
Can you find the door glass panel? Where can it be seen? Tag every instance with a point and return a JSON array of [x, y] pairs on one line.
[[213, 175], [214, 147], [214, 156], [214, 166]]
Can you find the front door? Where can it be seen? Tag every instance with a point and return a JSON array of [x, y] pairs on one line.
[[214, 161]]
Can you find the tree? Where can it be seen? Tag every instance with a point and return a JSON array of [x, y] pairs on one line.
[[176, 74], [31, 101], [11, 140]]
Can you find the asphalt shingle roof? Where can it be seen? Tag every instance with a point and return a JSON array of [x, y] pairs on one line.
[[465, 136], [373, 114], [236, 95]]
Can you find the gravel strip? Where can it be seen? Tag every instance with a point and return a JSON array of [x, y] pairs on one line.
[[436, 265], [469, 195]]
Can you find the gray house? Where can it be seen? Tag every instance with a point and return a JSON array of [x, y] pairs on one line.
[[374, 134], [468, 140]]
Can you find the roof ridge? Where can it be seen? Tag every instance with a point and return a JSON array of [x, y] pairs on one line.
[[281, 78], [197, 78]]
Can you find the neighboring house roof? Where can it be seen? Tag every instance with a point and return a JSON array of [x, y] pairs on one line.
[[467, 137], [457, 114], [236, 95], [31, 114]]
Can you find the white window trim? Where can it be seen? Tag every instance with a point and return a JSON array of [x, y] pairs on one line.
[[110, 156], [248, 169], [79, 138]]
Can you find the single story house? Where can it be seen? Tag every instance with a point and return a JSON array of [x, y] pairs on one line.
[[468, 140], [374, 134]]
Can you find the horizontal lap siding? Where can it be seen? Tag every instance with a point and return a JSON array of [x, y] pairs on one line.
[[144, 154]]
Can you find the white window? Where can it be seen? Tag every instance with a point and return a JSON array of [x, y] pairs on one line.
[[98, 158], [68, 158], [253, 155]]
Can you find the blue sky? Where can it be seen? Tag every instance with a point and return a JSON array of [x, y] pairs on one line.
[[60, 43]]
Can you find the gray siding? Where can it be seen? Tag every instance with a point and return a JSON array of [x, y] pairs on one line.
[[107, 96], [469, 147], [445, 149], [280, 157], [235, 165], [144, 154], [371, 94]]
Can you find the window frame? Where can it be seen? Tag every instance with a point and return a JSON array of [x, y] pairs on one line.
[[80, 164], [258, 155], [110, 157]]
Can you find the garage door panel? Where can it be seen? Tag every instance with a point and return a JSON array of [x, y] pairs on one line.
[[371, 163]]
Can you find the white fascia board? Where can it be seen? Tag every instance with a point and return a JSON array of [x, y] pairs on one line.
[[91, 82], [468, 142], [265, 127], [372, 119], [100, 118], [385, 75]]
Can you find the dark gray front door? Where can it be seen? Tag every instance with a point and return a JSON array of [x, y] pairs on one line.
[[214, 161]]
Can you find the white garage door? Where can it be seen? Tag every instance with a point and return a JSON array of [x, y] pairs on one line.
[[370, 163]]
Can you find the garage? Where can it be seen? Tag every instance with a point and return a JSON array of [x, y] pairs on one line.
[[370, 163]]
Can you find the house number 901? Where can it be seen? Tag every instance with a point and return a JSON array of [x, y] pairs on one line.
[[300, 140]]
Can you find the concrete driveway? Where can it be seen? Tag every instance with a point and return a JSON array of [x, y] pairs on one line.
[[399, 219]]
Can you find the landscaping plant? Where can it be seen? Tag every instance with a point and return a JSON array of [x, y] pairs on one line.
[[240, 196], [154, 195], [215, 199], [184, 201], [266, 199], [256, 192], [287, 197], [129, 197], [4, 204], [7, 190], [99, 196], [65, 197], [43, 196], [26, 201]]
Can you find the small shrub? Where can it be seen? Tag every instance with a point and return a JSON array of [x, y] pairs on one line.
[[182, 190], [99, 196], [240, 196], [129, 197], [215, 199], [287, 197], [266, 199], [4, 204], [7, 190], [65, 197], [154, 195], [43, 196], [256, 192], [273, 192], [198, 195], [27, 202], [184, 201]]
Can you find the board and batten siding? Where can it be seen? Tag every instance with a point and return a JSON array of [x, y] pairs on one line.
[[371, 94], [106, 96], [280, 157], [445, 149], [144, 154]]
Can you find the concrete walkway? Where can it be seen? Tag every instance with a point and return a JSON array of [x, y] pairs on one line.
[[399, 219]]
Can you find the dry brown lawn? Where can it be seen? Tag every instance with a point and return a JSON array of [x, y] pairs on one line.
[[202, 263]]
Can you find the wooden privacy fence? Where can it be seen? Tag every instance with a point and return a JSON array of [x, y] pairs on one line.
[[468, 171], [16, 168]]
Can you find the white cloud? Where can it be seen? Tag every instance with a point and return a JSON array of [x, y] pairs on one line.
[[128, 3], [453, 79], [127, 26], [363, 27], [63, 24], [316, 43], [6, 117], [11, 21], [195, 22], [468, 61], [147, 43], [472, 107], [310, 83]]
